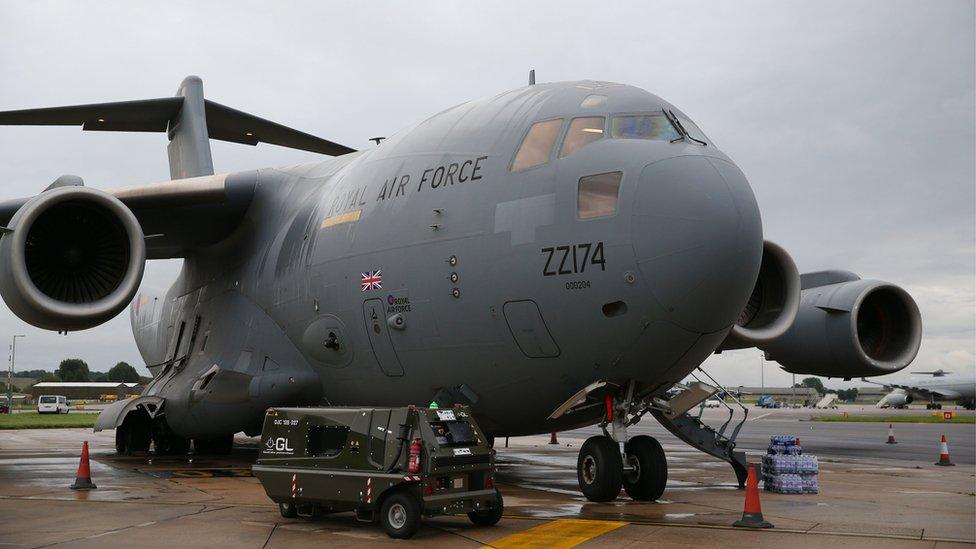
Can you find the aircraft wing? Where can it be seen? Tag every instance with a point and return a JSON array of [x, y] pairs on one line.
[[922, 393], [176, 216]]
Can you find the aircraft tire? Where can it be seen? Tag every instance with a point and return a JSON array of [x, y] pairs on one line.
[[400, 515], [217, 446], [121, 440], [599, 469], [651, 476], [171, 445], [491, 516], [133, 435]]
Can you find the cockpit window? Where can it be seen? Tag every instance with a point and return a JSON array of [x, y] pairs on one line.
[[597, 195], [537, 145], [692, 129], [582, 132], [643, 126], [593, 101]]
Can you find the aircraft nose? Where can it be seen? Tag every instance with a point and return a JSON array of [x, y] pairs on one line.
[[698, 239]]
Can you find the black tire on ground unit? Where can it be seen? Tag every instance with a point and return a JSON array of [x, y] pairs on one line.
[[491, 516], [288, 510], [400, 515]]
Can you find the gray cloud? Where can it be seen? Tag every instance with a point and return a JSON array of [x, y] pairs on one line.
[[853, 120]]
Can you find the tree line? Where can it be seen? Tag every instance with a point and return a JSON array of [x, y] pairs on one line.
[[76, 369]]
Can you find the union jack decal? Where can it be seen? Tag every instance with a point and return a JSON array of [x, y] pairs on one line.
[[372, 280]]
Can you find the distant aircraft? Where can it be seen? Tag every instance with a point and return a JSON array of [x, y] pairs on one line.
[[941, 387], [558, 255]]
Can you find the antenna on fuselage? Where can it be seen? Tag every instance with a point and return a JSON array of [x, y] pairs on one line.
[[532, 77]]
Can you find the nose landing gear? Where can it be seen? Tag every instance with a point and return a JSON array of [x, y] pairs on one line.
[[641, 469]]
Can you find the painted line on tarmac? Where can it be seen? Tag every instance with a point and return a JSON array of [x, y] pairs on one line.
[[558, 534], [636, 521]]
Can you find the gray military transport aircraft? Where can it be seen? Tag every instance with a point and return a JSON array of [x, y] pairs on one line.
[[558, 255]]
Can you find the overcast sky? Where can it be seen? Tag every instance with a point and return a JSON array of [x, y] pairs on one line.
[[854, 121]]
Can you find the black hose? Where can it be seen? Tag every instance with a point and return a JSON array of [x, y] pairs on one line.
[[403, 438]]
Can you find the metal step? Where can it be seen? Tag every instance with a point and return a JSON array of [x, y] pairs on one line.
[[702, 437], [694, 394]]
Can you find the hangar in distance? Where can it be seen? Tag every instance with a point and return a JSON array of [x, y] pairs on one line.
[[577, 248]]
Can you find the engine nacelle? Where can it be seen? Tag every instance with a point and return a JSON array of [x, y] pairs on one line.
[[773, 304], [73, 259], [895, 399], [849, 328]]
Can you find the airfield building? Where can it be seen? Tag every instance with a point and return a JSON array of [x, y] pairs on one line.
[[85, 390]]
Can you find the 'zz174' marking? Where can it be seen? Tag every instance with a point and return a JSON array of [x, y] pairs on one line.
[[564, 260]]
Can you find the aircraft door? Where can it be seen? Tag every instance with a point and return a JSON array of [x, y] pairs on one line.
[[379, 337]]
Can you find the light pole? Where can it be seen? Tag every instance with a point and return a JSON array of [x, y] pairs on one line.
[[10, 375], [762, 371]]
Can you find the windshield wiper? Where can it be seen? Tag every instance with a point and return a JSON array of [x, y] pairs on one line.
[[681, 129]]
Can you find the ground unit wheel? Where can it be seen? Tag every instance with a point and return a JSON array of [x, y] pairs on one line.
[[650, 474], [400, 515], [288, 510], [491, 516], [599, 469]]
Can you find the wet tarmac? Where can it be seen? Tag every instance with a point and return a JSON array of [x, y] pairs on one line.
[[897, 499]]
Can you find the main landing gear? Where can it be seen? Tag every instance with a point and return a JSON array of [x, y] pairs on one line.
[[138, 431]]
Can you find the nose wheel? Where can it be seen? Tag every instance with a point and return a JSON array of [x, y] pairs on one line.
[[642, 470], [648, 469], [600, 469]]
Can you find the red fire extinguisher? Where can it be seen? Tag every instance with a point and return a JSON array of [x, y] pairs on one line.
[[413, 465]]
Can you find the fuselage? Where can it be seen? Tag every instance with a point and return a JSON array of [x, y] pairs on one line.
[[504, 253]]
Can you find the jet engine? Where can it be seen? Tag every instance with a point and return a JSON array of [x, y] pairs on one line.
[[847, 327], [895, 399], [71, 258], [773, 304]]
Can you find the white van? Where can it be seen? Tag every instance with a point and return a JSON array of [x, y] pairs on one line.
[[52, 404]]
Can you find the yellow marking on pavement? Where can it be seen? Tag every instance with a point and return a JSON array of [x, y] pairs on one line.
[[559, 534], [348, 217]]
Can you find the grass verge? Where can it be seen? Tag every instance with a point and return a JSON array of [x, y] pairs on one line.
[[33, 420], [968, 419]]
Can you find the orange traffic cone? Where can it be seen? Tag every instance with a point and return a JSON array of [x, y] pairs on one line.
[[891, 435], [552, 438], [83, 479], [752, 513], [944, 454]]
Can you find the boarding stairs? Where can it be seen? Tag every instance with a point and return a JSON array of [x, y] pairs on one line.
[[827, 401], [697, 434]]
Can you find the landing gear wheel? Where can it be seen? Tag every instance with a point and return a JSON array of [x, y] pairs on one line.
[[288, 510], [400, 515], [171, 445], [650, 475], [599, 469], [217, 446], [133, 435], [121, 440], [491, 516]]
